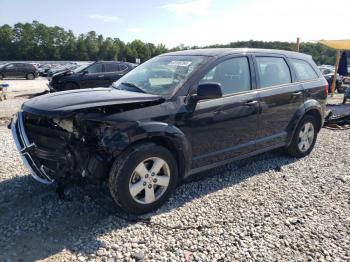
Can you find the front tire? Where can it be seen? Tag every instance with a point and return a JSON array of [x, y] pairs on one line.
[[1, 76], [143, 178], [304, 138]]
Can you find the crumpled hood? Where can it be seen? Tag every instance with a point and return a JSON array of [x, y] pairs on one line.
[[63, 72], [66, 102]]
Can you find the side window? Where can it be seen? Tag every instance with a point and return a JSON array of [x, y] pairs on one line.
[[111, 67], [303, 70], [273, 71], [233, 75], [122, 67], [10, 66], [95, 68]]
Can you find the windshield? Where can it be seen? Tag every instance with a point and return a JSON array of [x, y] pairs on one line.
[[160, 75], [80, 68]]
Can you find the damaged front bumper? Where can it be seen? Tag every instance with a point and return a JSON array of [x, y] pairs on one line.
[[26, 149]]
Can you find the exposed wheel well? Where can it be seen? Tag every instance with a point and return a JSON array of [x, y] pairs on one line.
[[317, 115]]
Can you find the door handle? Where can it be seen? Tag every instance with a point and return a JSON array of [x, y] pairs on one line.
[[101, 75], [297, 93], [251, 103]]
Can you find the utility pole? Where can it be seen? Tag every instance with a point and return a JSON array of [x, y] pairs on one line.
[[297, 47], [335, 72]]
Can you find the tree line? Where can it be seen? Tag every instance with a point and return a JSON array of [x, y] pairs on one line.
[[36, 41]]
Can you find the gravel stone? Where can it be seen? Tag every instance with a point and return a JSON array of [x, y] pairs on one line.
[[267, 208]]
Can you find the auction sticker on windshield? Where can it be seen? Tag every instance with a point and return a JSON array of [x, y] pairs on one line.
[[180, 63]]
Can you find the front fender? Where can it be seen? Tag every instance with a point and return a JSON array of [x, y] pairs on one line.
[[116, 140]]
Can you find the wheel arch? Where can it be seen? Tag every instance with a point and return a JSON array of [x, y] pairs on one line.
[[159, 133], [310, 107]]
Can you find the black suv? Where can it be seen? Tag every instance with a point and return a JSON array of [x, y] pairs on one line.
[[175, 115], [98, 74], [26, 70]]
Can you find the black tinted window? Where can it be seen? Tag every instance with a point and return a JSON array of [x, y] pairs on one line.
[[122, 67], [10, 66], [232, 74], [303, 70], [95, 68], [273, 71], [111, 67]]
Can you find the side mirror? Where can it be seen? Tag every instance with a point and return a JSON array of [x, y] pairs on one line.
[[85, 72], [208, 91]]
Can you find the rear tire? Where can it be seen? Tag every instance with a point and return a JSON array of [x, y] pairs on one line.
[[304, 137], [344, 101], [134, 182], [30, 76]]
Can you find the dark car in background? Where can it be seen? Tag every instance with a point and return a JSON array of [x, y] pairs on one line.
[[173, 116], [45, 68], [62, 68], [97, 74], [26, 70], [328, 73]]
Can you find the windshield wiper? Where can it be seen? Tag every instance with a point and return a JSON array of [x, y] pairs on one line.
[[133, 85]]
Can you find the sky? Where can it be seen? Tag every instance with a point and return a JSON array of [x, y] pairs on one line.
[[189, 22]]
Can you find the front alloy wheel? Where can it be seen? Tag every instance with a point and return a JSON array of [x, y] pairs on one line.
[[149, 180], [143, 178]]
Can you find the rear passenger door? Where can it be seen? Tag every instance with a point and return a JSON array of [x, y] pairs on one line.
[[113, 71], [93, 77], [280, 97]]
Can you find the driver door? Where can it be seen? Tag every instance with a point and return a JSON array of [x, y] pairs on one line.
[[225, 128]]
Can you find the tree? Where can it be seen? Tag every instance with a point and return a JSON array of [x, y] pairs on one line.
[[36, 41], [6, 42]]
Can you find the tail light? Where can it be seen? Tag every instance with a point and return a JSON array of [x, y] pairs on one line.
[[326, 89]]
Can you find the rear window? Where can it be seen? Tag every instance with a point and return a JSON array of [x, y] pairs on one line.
[[273, 71], [28, 66], [303, 70], [122, 67]]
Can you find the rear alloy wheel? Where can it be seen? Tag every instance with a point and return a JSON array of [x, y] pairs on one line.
[[143, 178], [304, 137], [30, 76]]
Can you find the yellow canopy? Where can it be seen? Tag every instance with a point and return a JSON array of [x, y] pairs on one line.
[[336, 44]]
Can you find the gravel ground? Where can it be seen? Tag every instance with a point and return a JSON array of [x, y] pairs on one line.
[[19, 91], [270, 207]]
